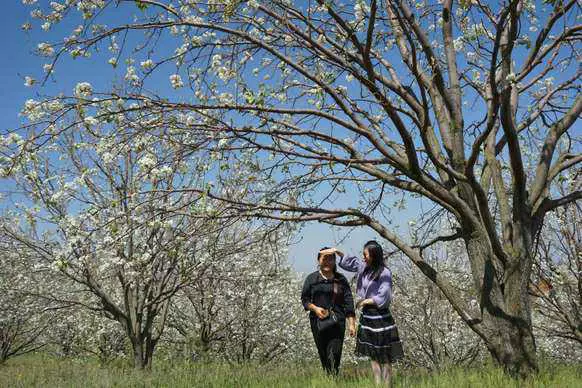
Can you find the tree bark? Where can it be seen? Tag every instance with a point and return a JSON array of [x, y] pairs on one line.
[[506, 312], [143, 351]]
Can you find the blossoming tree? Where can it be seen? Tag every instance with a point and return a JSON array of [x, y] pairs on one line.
[[468, 105], [558, 292], [434, 335], [245, 305], [101, 209], [25, 314]]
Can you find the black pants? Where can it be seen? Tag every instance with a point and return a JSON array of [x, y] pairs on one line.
[[329, 346]]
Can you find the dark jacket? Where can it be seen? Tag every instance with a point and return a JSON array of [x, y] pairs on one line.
[[318, 290]]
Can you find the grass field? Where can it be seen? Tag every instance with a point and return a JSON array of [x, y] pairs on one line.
[[41, 371]]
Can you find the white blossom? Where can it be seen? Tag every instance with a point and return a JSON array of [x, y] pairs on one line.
[[147, 64], [176, 81], [83, 89], [131, 76], [511, 77], [361, 9], [226, 98], [459, 44], [29, 81], [91, 121], [45, 49]]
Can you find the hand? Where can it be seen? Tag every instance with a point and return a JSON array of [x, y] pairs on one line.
[[362, 302], [352, 329], [332, 251], [321, 312]]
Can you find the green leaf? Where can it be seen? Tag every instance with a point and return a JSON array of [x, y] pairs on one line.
[[141, 5]]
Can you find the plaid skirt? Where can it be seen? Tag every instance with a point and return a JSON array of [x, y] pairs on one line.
[[378, 336]]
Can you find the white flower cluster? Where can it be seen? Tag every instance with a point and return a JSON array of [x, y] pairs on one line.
[[45, 49], [131, 76], [361, 9], [221, 68], [226, 98], [459, 44], [176, 81], [88, 7], [29, 81], [36, 110], [91, 121], [147, 162], [57, 7], [147, 64], [83, 89]]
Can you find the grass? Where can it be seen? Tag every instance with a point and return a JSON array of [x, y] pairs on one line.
[[44, 371]]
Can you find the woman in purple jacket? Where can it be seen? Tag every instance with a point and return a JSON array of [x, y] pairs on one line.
[[377, 335]]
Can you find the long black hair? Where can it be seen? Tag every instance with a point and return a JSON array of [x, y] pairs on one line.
[[376, 263], [334, 265]]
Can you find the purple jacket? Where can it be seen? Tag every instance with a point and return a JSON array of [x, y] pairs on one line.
[[380, 290]]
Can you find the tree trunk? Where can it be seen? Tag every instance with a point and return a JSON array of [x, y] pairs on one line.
[[512, 347], [138, 354], [506, 313], [150, 345], [143, 352]]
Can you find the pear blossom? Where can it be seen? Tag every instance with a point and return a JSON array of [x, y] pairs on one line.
[[29, 81], [147, 64], [459, 44], [131, 75], [46, 50], [83, 89], [176, 81], [91, 121]]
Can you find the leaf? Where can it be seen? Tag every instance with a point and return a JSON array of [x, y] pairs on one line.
[[141, 5]]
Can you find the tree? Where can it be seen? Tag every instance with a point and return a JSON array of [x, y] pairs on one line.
[[245, 304], [100, 218], [466, 105], [434, 335], [81, 332], [558, 289], [25, 316]]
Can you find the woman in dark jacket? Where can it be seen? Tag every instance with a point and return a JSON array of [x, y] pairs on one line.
[[327, 296]]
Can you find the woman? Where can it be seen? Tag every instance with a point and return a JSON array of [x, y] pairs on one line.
[[327, 296], [377, 333]]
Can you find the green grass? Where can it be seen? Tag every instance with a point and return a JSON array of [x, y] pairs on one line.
[[44, 371]]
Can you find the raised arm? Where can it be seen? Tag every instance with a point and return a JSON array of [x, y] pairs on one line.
[[350, 263]]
